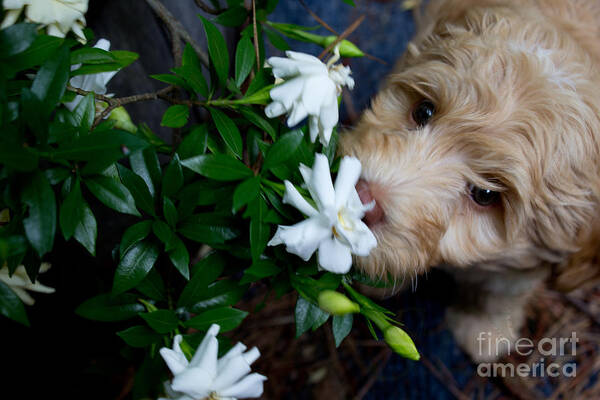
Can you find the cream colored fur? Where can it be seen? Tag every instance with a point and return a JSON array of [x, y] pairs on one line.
[[516, 85]]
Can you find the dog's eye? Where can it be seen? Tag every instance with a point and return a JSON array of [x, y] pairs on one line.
[[484, 197], [423, 112]]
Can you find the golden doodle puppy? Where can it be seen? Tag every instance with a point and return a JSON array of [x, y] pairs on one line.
[[482, 151]]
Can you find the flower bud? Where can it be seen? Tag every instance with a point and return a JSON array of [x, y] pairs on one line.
[[401, 343], [347, 48], [336, 303], [122, 120]]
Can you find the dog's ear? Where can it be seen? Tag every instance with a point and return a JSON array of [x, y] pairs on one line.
[[583, 267]]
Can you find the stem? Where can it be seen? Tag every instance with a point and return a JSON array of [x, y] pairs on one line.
[[343, 36], [377, 317], [176, 26]]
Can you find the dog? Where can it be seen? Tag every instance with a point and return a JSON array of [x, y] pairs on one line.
[[482, 152]]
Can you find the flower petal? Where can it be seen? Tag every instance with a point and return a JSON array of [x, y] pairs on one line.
[[346, 180], [251, 355], [175, 361], [288, 92], [234, 370], [316, 89], [235, 351], [303, 238], [294, 198], [297, 114], [335, 256], [321, 183], [275, 109], [249, 387], [194, 382], [360, 238]]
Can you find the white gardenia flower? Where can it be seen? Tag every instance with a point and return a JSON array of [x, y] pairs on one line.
[[334, 227], [206, 377], [92, 83], [310, 89], [57, 16], [19, 283]]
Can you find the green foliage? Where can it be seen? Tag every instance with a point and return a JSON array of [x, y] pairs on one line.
[[219, 186]]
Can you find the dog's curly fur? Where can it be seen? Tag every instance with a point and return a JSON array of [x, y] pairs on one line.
[[516, 89]]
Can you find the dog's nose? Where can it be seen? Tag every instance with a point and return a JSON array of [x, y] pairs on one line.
[[374, 216]]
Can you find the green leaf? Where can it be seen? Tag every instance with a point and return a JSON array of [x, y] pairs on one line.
[[17, 156], [109, 146], [227, 318], [228, 130], [180, 257], [277, 41], [145, 164], [134, 234], [283, 149], [86, 231], [138, 189], [245, 57], [191, 71], [124, 58], [41, 49], [170, 212], [205, 272], [170, 79], [260, 269], [108, 307], [50, 81], [173, 177], [139, 336], [218, 166], [91, 55], [259, 121], [163, 232], [35, 120], [217, 49], [40, 225], [341, 326], [70, 211], [84, 113], [112, 193], [194, 143], [207, 234], [223, 293], [16, 39], [246, 192], [232, 17], [162, 321], [12, 246], [152, 286], [349, 2], [308, 316], [11, 306], [135, 265], [176, 116], [259, 231]]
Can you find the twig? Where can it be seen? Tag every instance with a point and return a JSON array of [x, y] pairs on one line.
[[317, 18], [456, 392], [206, 8], [170, 20], [581, 306], [386, 354], [114, 103], [343, 36], [255, 32]]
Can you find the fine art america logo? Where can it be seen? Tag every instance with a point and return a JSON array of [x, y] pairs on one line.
[[547, 347]]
